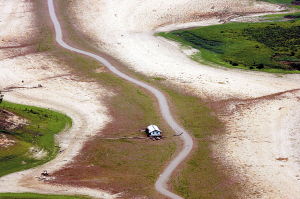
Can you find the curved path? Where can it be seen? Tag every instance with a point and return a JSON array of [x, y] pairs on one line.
[[161, 183]]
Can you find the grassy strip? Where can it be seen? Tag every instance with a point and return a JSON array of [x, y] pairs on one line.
[[202, 176], [270, 46], [281, 17], [39, 133], [37, 196], [290, 3], [279, 1]]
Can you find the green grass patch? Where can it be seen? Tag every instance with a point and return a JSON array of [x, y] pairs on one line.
[[278, 17], [39, 133], [269, 46], [201, 177], [45, 41], [289, 3], [279, 1], [37, 196]]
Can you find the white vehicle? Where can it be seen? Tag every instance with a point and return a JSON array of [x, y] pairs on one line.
[[153, 131]]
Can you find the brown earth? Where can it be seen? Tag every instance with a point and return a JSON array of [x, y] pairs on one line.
[[10, 121]]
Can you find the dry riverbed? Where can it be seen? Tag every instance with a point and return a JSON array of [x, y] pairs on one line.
[[260, 144]]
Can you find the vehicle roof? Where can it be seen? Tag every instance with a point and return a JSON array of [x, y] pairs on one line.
[[153, 128]]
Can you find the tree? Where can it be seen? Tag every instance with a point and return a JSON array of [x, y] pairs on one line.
[[1, 97]]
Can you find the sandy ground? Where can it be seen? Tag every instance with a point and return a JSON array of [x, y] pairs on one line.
[[11, 121], [6, 142], [255, 136], [60, 91], [125, 30], [263, 151]]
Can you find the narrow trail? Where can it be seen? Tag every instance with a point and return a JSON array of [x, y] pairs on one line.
[[161, 183]]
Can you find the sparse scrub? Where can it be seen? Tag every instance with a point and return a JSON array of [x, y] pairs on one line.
[[159, 78]]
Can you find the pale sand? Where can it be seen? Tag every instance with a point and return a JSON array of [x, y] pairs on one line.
[[125, 30], [60, 91], [259, 133]]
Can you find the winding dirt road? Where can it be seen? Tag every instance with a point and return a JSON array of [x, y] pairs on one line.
[[161, 183]]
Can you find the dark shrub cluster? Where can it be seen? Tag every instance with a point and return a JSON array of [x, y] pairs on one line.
[[199, 42]]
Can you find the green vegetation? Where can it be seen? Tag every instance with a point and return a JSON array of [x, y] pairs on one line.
[[37, 135], [37, 196], [269, 46], [45, 43], [289, 3], [201, 177], [281, 17], [280, 1]]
